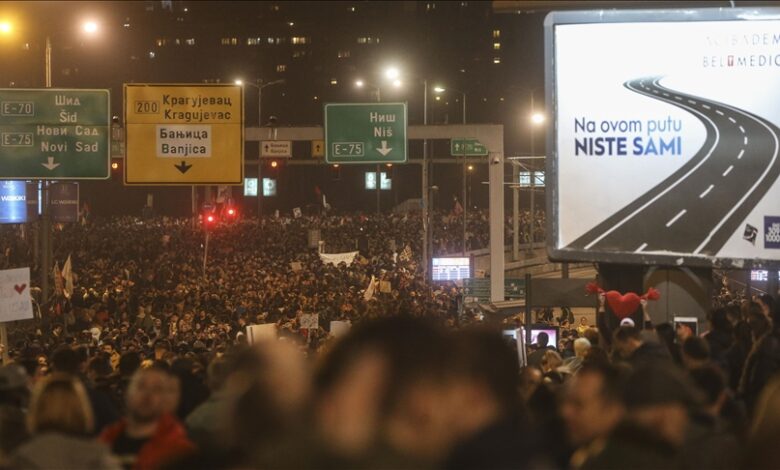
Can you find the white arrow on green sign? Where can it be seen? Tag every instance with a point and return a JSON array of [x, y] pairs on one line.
[[467, 148], [54, 134], [365, 133]]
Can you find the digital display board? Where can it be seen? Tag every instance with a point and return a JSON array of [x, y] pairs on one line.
[[385, 183], [450, 269], [13, 202], [269, 187], [671, 116]]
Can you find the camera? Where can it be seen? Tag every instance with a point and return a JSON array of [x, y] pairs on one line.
[[495, 159]]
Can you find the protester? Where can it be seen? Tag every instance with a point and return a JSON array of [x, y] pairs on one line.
[[60, 422], [148, 435]]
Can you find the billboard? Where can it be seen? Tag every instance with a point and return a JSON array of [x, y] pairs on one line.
[[13, 202], [385, 183], [664, 138], [64, 202], [450, 269], [250, 186]]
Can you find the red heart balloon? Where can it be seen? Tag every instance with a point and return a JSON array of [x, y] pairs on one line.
[[622, 305]]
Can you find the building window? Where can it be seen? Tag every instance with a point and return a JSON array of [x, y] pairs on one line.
[[496, 60], [496, 46], [229, 41], [496, 33], [252, 41], [334, 81], [177, 41], [281, 68], [299, 54], [297, 40], [430, 6], [162, 42], [190, 41], [152, 55], [343, 54], [367, 40]]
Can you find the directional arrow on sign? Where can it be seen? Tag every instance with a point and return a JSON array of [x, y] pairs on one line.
[[383, 149], [51, 165], [183, 167]]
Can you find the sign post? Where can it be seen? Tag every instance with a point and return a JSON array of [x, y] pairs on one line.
[[184, 134], [365, 133], [54, 134], [467, 148]]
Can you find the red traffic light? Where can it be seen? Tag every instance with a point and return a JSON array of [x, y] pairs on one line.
[[231, 211], [210, 218]]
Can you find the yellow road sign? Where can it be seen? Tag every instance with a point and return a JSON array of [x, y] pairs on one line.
[[318, 148], [184, 134]]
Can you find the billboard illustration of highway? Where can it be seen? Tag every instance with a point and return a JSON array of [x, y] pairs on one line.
[[665, 145]]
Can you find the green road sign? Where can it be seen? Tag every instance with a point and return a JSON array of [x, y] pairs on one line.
[[467, 148], [54, 134], [480, 288], [365, 133]]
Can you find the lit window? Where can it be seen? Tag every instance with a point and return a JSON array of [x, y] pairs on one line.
[[152, 54], [343, 54], [333, 81], [496, 46], [496, 60], [225, 41], [281, 68], [299, 40], [362, 40], [178, 42], [352, 9], [233, 41], [299, 54], [275, 8], [496, 33], [161, 42], [190, 41], [252, 41]]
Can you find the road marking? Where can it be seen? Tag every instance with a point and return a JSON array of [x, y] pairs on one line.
[[742, 129], [666, 94], [655, 91], [671, 186], [728, 170], [746, 140], [741, 152], [752, 188], [706, 106], [691, 101], [678, 98], [706, 191], [644, 245], [733, 121], [674, 219], [719, 112]]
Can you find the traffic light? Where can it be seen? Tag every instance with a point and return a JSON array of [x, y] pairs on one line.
[[231, 214], [209, 220]]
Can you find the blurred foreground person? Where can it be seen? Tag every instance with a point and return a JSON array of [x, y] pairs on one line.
[[60, 422], [762, 451], [592, 408], [657, 399], [149, 435]]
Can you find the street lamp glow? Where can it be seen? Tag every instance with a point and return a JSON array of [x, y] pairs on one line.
[[397, 83], [471, 167], [6, 27], [239, 82], [439, 89], [359, 83], [392, 73], [90, 27], [537, 118]]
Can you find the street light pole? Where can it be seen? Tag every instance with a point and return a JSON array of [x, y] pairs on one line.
[[465, 205], [531, 217], [46, 254], [425, 189]]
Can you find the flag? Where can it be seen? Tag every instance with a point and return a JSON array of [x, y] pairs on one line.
[[371, 289], [457, 209], [57, 279], [67, 274], [406, 254], [297, 212]]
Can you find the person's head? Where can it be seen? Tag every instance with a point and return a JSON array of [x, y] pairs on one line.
[[107, 347], [695, 352], [593, 404], [60, 404], [129, 362], [65, 359], [581, 347], [626, 340], [551, 360], [719, 320], [583, 321], [711, 382], [530, 379], [147, 395], [759, 321], [658, 398], [542, 339]]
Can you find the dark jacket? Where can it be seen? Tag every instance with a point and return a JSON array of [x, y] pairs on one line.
[[634, 447], [504, 444], [709, 445], [762, 363], [169, 441], [650, 352]]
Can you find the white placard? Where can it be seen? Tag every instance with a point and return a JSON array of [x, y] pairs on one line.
[[337, 258], [15, 302], [259, 333], [339, 328], [310, 321]]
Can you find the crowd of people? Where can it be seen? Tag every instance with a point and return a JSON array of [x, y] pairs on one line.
[[146, 363]]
